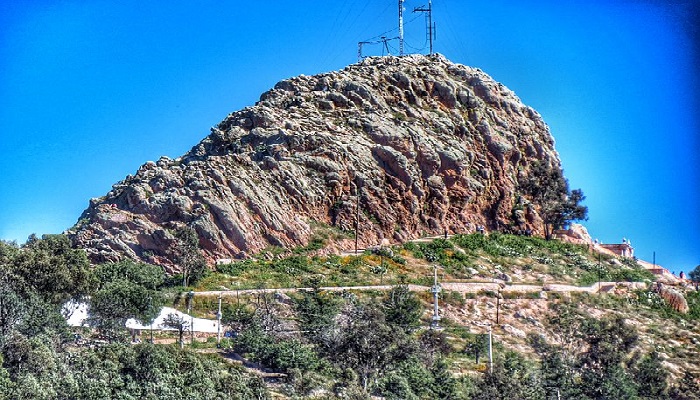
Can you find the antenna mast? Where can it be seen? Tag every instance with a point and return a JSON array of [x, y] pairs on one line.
[[430, 23], [401, 27]]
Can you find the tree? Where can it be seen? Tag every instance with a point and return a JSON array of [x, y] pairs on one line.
[[548, 189], [236, 316], [146, 275], [281, 354], [179, 323], [368, 344], [52, 269], [694, 275], [651, 377], [512, 378], [607, 341], [189, 256], [147, 371], [444, 384], [126, 290], [315, 312], [402, 309], [12, 309], [27, 313], [557, 369]]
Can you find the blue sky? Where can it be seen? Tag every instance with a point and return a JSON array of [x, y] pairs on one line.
[[91, 90]]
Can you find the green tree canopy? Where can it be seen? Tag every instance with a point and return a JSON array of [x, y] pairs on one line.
[[402, 308], [189, 256], [694, 275], [547, 188], [126, 290], [52, 269]]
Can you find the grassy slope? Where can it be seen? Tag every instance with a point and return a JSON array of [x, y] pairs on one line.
[[478, 258]]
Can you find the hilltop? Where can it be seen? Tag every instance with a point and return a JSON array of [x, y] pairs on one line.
[[392, 148]]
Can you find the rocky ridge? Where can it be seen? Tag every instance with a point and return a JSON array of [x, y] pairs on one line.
[[423, 145]]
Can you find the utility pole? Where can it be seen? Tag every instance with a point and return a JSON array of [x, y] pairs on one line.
[[490, 351], [238, 299], [190, 297], [357, 216], [498, 305], [436, 312], [401, 27], [429, 22], [218, 324]]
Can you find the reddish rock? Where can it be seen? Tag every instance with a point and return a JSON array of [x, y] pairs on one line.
[[429, 145]]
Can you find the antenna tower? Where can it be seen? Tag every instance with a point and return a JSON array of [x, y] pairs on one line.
[[401, 27], [429, 22]]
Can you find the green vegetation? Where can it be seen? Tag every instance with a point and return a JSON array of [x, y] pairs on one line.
[[352, 346], [694, 275], [126, 290], [336, 345], [189, 257], [548, 189], [272, 269], [41, 359], [498, 253], [462, 257]]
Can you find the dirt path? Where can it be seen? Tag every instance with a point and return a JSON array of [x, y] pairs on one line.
[[462, 287]]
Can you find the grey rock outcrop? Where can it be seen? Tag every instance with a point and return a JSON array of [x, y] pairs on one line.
[[426, 144]]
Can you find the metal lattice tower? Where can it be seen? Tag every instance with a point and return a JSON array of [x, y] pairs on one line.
[[401, 27]]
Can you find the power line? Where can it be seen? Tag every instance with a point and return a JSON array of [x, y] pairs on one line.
[[430, 31], [385, 46], [382, 37]]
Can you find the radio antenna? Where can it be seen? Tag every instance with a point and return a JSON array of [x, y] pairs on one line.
[[401, 27], [430, 25]]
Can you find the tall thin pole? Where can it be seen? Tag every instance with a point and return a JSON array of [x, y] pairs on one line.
[[490, 351], [436, 312], [430, 27], [357, 216], [430, 24], [190, 296], [400, 27], [498, 306], [218, 323]]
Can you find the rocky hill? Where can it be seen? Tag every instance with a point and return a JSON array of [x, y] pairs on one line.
[[423, 145]]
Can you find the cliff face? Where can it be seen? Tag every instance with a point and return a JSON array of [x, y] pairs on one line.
[[424, 146]]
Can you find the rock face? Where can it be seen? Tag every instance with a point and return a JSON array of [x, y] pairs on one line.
[[422, 144]]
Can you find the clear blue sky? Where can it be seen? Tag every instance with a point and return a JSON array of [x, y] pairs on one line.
[[90, 90]]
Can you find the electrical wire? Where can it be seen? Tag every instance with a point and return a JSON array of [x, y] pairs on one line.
[[454, 40]]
